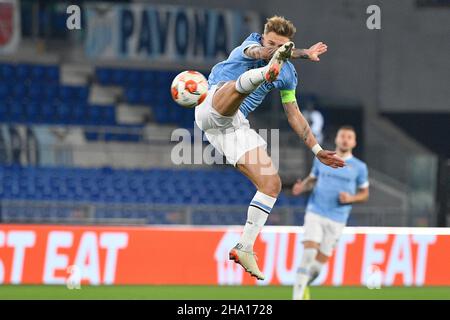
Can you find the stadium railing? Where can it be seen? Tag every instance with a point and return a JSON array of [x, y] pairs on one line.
[[60, 212]]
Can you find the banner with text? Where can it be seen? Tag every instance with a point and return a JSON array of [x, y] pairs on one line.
[[176, 255], [165, 33], [9, 26]]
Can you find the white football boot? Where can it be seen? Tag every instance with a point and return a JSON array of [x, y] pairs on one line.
[[247, 260], [279, 57]]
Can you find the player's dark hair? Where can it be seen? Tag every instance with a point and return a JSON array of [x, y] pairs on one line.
[[347, 127], [281, 26]]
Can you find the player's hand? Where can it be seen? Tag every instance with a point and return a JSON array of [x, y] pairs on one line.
[[316, 50], [297, 188], [345, 198], [330, 158], [266, 53]]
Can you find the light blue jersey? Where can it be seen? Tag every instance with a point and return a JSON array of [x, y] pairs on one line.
[[324, 199], [238, 63]]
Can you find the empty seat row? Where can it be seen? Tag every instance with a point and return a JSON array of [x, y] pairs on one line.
[[57, 113], [133, 77], [168, 186], [42, 92], [29, 72], [149, 87]]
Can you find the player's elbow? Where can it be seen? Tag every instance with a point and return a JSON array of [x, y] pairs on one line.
[[365, 195]]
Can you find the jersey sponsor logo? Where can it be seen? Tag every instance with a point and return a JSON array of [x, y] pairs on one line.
[[336, 176]]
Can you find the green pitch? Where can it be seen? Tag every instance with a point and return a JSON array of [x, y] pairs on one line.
[[216, 292]]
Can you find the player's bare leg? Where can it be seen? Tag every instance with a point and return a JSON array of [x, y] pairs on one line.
[[229, 97], [317, 266], [258, 167]]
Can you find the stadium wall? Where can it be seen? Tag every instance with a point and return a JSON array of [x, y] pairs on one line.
[[392, 69], [57, 255]]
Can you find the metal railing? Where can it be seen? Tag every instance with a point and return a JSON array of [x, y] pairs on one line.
[[60, 212]]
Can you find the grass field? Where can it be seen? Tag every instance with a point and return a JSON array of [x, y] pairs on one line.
[[215, 292]]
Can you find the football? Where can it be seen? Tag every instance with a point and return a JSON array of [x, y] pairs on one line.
[[189, 88]]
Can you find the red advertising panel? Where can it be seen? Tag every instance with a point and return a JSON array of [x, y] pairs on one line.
[[44, 254]]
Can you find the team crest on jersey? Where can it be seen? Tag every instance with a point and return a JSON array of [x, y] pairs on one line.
[[268, 86]]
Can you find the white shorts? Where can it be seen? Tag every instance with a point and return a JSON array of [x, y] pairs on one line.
[[231, 136], [322, 230]]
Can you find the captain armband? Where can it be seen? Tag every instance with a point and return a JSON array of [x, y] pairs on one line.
[[288, 96]]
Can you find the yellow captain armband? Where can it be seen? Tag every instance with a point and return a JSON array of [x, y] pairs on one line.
[[288, 96]]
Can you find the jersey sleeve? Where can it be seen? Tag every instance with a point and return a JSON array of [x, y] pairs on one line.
[[290, 80], [363, 177], [251, 41], [315, 169]]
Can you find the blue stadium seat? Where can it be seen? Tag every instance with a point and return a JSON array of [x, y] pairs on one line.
[[16, 112], [7, 72], [104, 76], [48, 113], [4, 112], [93, 115], [133, 95], [32, 111], [19, 90], [38, 73], [63, 113], [66, 93], [119, 76], [5, 91], [78, 113], [50, 92], [133, 78], [52, 74], [107, 185], [23, 72]]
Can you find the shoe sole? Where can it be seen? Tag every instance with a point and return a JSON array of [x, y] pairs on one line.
[[234, 257], [274, 70]]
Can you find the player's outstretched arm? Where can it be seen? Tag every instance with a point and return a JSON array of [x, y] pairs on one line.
[[361, 196], [260, 52], [300, 126], [312, 53]]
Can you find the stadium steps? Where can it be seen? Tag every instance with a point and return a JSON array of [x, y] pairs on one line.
[[127, 114]]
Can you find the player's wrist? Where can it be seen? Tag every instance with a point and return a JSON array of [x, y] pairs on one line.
[[316, 149], [301, 54]]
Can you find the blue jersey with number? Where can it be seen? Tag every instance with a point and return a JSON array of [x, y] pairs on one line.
[[324, 199], [238, 63]]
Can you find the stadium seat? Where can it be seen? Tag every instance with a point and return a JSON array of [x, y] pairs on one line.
[[168, 186]]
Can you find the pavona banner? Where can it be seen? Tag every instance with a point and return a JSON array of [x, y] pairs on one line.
[[9, 26], [165, 33], [180, 255]]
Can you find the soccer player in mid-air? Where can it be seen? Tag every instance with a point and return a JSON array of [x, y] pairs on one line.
[[329, 205], [237, 86]]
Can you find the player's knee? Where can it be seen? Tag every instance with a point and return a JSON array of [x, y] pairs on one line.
[[272, 186], [311, 244], [321, 257], [308, 257]]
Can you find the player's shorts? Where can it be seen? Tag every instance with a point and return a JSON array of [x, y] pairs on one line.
[[231, 136], [322, 230]]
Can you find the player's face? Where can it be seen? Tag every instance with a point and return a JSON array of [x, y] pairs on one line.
[[271, 39], [345, 140]]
